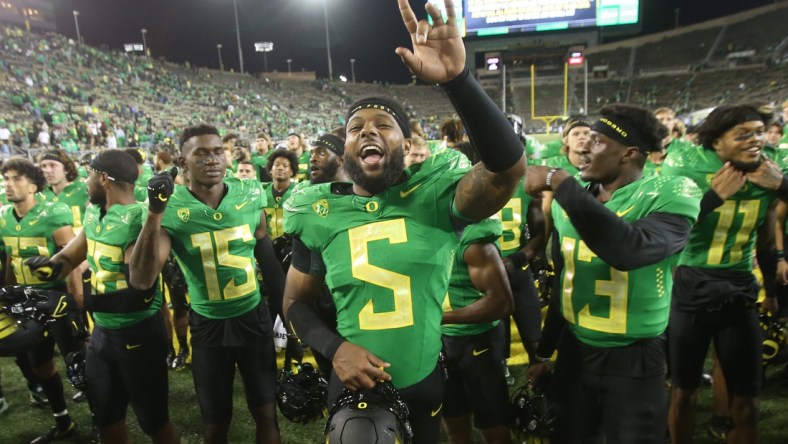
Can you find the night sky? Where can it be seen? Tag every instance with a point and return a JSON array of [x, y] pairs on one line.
[[367, 30]]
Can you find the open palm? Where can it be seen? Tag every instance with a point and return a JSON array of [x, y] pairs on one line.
[[438, 52]]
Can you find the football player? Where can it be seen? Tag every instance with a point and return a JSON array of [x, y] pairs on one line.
[[283, 166], [618, 239], [714, 291], [30, 229], [478, 292], [217, 228], [384, 243], [126, 357]]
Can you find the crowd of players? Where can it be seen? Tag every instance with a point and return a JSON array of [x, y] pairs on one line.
[[402, 262]]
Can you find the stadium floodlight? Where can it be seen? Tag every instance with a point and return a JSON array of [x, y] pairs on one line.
[[144, 41], [238, 36], [265, 48], [328, 40], [342, 78], [219, 50], [76, 22], [353, 70]]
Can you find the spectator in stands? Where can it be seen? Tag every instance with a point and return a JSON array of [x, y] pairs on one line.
[[297, 145], [5, 136], [775, 134], [667, 117], [418, 152], [416, 129]]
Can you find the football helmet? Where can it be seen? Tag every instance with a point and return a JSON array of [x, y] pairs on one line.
[[543, 273], [301, 393], [775, 340], [534, 417], [376, 416], [41, 305]]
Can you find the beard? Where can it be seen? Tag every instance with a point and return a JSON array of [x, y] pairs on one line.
[[327, 174], [392, 171], [746, 167], [97, 199]]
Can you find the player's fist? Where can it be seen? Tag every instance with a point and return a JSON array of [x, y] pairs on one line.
[[160, 188], [43, 268]]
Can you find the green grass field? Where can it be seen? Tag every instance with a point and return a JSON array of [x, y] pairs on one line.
[[23, 422]]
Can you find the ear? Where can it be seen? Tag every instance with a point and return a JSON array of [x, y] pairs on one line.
[[341, 160], [406, 144], [181, 162], [631, 153]]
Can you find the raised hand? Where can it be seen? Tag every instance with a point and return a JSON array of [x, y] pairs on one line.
[[160, 188], [438, 53]]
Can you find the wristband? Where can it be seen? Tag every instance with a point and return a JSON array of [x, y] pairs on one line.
[[538, 358], [548, 180]]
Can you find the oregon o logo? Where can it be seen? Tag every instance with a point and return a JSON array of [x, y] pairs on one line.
[[372, 206]]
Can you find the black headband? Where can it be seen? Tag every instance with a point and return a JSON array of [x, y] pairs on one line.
[[114, 174], [52, 155], [621, 133], [376, 103], [572, 124], [331, 143]]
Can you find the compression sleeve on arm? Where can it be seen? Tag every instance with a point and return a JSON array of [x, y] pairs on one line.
[[312, 330], [488, 130], [618, 243], [127, 300], [710, 201], [273, 275]]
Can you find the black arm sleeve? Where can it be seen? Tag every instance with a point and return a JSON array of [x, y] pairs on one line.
[[621, 245], [782, 192], [767, 262], [487, 128], [273, 275], [312, 330], [554, 321], [710, 201], [122, 301]]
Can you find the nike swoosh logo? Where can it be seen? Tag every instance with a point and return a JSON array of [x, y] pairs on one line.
[[435, 412], [622, 213], [162, 198], [478, 352], [241, 205], [132, 347], [147, 300], [69, 194], [404, 194], [109, 227], [33, 222]]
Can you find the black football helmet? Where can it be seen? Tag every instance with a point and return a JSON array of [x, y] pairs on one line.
[[376, 416], [775, 340], [45, 306], [543, 273], [301, 393], [283, 248], [534, 417]]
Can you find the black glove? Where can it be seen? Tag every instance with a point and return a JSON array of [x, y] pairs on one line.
[[75, 369], [43, 268], [160, 188], [12, 294], [294, 351]]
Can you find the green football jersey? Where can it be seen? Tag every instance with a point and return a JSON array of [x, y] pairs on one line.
[[141, 185], [108, 238], [563, 162], [605, 307], [725, 238], [388, 259], [552, 149], [533, 148], [32, 236], [652, 169], [75, 196], [461, 290], [303, 166], [215, 248], [274, 208], [513, 218]]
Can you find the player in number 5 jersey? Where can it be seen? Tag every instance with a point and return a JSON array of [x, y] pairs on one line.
[[384, 243], [618, 242], [216, 228], [715, 292]]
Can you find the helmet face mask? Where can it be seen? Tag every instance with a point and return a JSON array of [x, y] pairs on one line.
[[775, 340], [376, 416], [301, 393], [534, 417]]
